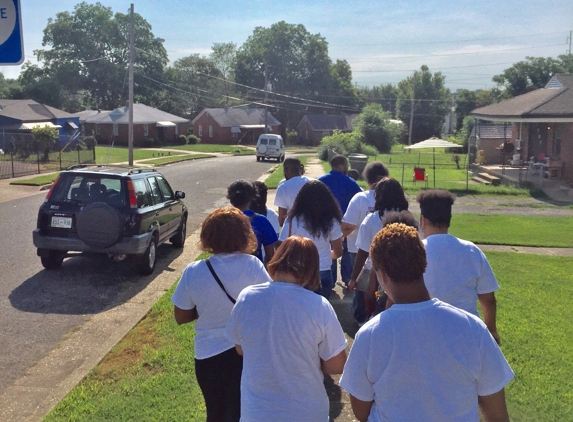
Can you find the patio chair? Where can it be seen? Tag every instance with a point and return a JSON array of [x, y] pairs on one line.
[[420, 175]]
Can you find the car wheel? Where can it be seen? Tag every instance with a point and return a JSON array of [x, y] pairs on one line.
[[145, 263], [99, 225], [179, 239], [282, 158], [258, 158], [53, 259]]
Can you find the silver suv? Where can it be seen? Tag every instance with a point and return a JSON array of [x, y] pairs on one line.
[[270, 146], [115, 211]]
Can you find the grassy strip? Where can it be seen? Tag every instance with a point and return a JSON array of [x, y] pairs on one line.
[[44, 179], [516, 230], [176, 159], [278, 173], [149, 375], [210, 148], [106, 155]]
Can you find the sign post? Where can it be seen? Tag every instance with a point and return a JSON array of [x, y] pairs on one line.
[[11, 40]]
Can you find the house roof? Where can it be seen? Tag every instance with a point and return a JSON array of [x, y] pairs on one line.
[[321, 122], [86, 114], [229, 117], [554, 102], [30, 111], [142, 114], [494, 131]]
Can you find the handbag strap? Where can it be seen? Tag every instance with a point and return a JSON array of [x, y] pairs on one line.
[[218, 280], [290, 228]]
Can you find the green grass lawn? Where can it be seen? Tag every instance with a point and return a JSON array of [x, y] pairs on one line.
[[207, 148], [44, 179], [176, 159], [150, 375], [106, 155], [278, 174]]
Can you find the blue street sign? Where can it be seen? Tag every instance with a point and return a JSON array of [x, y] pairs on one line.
[[11, 40]]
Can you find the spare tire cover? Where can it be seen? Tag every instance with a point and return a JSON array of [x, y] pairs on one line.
[[262, 148], [99, 225]]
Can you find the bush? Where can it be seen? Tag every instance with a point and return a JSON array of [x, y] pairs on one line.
[[291, 137], [90, 142], [193, 140], [181, 140], [149, 142], [375, 126], [345, 144]]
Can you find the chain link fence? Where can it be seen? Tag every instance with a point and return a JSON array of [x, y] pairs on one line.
[[21, 155]]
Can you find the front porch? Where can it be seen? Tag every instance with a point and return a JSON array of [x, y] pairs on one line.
[[556, 189]]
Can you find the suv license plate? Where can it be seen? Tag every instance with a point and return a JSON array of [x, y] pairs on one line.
[[62, 222]]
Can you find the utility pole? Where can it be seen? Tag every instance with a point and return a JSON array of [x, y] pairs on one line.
[[266, 106], [569, 39], [411, 111], [130, 100]]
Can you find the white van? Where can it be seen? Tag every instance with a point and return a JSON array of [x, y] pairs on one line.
[[270, 146]]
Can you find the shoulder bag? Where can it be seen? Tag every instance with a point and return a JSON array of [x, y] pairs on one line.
[[218, 280]]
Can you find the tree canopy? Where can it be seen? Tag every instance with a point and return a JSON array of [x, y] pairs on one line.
[[374, 126], [431, 103], [87, 58]]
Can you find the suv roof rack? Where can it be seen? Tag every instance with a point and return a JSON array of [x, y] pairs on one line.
[[141, 170]]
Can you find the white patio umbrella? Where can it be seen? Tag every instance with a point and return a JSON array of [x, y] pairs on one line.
[[434, 143]]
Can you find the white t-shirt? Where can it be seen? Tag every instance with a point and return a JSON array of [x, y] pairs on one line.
[[426, 361], [288, 190], [322, 244], [197, 287], [284, 330], [273, 217], [358, 208], [457, 271], [371, 225]]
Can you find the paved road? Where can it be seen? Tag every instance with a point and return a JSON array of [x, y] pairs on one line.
[[38, 308]]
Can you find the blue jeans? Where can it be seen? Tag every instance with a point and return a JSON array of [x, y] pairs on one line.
[[346, 265], [359, 306], [326, 283]]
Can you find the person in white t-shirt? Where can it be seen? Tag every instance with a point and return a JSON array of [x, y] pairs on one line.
[[316, 214], [458, 271], [226, 233], [422, 359], [289, 337], [389, 196], [289, 188]]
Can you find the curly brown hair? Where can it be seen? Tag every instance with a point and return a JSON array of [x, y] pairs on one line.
[[227, 230], [398, 252], [297, 256]]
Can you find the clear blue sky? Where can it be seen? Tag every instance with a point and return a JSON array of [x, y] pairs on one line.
[[468, 41]]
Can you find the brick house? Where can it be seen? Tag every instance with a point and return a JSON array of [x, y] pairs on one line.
[[542, 122], [148, 122], [313, 127], [233, 125]]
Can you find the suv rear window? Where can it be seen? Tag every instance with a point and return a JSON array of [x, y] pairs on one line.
[[272, 141], [89, 189], [263, 141]]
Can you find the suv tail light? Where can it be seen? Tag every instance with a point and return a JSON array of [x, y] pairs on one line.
[[131, 194], [52, 188]]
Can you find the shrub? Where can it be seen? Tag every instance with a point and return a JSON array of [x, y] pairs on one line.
[[149, 142], [291, 137], [345, 144], [181, 140], [193, 140], [90, 142], [375, 126]]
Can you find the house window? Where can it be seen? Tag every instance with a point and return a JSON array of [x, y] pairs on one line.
[[210, 131], [145, 130], [97, 130], [115, 130], [235, 135], [200, 130]]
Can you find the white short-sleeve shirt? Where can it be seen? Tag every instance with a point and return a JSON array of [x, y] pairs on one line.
[[284, 331], [273, 217], [371, 225], [360, 205], [322, 243], [198, 288], [457, 271], [288, 190], [426, 361]]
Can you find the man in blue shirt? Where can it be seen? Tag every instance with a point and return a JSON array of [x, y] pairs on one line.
[[343, 188]]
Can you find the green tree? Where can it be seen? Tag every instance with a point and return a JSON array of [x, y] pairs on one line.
[[385, 95], [374, 126], [530, 74], [9, 88], [465, 103], [223, 59], [341, 89], [88, 55], [431, 103], [45, 139]]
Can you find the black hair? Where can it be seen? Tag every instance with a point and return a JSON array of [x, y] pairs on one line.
[[436, 206], [389, 196], [374, 172], [338, 160], [259, 202], [404, 217], [316, 207], [241, 192]]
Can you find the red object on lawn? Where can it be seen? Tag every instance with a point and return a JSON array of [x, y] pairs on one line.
[[420, 175]]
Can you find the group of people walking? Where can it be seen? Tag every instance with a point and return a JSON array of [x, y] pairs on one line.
[[266, 332]]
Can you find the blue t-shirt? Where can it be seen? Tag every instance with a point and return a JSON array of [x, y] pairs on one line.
[[263, 229], [342, 187]]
